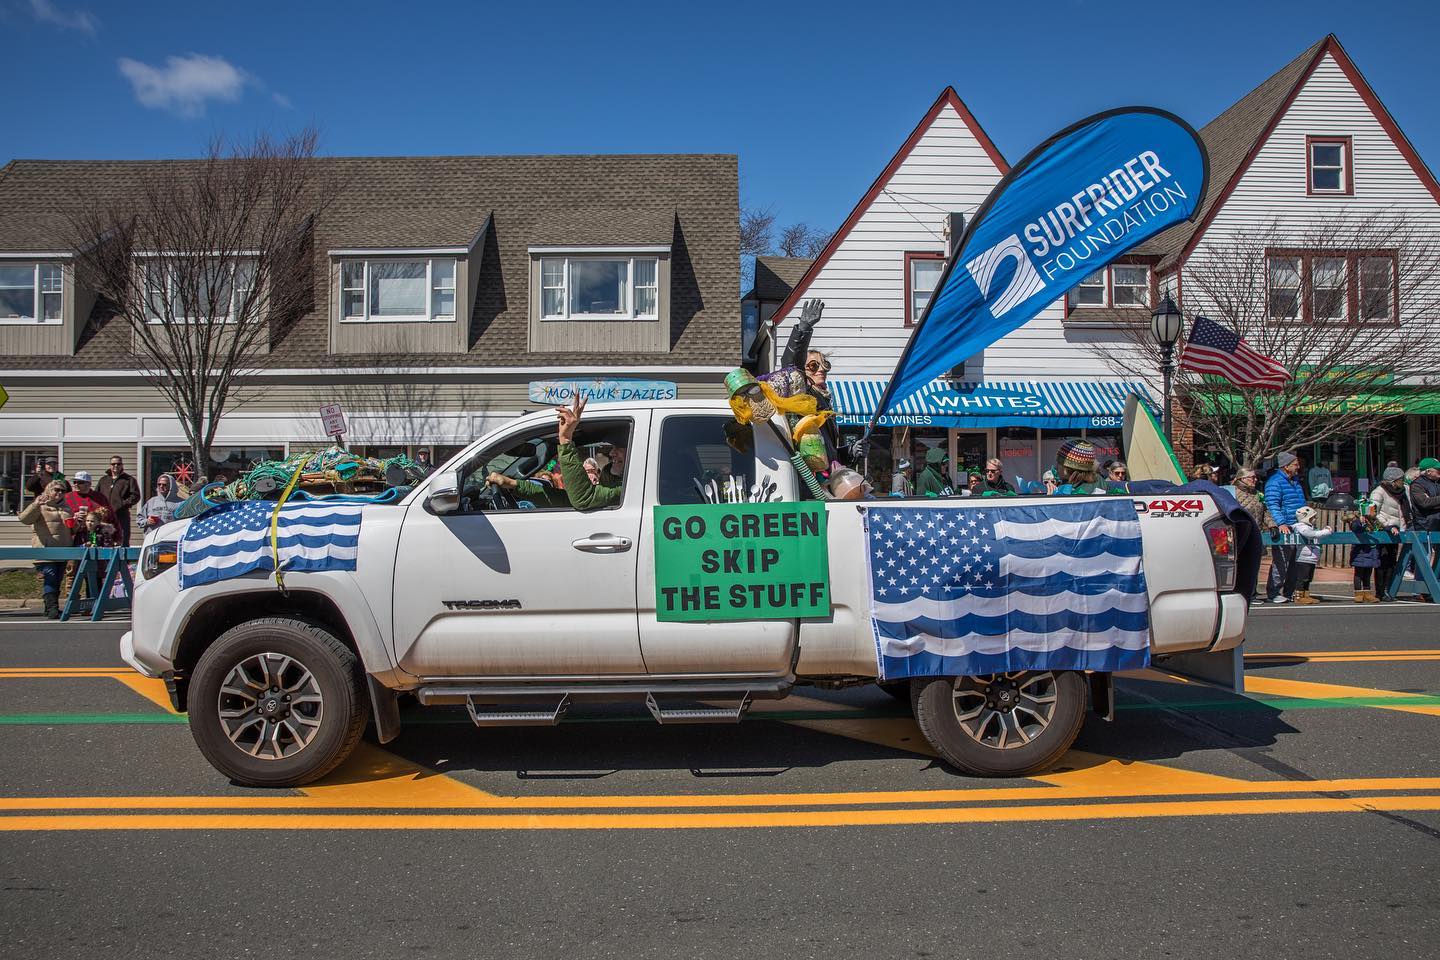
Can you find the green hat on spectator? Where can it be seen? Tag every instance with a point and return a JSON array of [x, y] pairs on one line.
[[1430, 463]]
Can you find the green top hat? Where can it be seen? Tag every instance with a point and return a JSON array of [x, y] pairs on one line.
[[739, 380]]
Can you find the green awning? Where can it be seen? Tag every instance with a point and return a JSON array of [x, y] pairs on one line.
[[1390, 401]]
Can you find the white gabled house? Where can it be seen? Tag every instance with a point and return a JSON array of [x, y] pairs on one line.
[[1309, 150], [1021, 397], [1310, 141]]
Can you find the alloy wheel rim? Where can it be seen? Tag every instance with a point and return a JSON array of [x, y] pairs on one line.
[[270, 706], [1006, 711]]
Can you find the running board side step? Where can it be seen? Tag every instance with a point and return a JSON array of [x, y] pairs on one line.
[[727, 714], [517, 718]]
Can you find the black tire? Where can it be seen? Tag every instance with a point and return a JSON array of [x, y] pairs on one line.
[[333, 723], [934, 701]]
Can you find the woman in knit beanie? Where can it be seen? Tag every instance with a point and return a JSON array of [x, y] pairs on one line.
[[1075, 465]]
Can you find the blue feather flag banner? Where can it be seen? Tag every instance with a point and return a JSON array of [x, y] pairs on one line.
[[234, 539], [970, 592], [1075, 203]]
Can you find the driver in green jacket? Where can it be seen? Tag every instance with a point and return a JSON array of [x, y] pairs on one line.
[[583, 494]]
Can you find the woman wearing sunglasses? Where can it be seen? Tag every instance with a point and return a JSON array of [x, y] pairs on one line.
[[816, 369]]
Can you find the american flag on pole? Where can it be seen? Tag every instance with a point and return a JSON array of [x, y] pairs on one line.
[[970, 591], [234, 539], [1215, 348]]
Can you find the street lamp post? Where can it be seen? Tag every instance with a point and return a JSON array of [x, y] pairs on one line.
[[1165, 323]]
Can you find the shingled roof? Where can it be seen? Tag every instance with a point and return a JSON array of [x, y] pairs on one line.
[[688, 201], [1230, 138], [775, 277]]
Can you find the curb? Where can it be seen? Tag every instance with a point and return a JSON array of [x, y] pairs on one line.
[[19, 604]]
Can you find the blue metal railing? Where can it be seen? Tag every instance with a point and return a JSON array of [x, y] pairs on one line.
[[97, 569], [1416, 552]]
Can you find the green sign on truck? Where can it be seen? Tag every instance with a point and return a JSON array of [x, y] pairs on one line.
[[742, 561]]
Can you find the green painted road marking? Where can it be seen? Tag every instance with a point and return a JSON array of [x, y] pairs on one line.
[[56, 719]]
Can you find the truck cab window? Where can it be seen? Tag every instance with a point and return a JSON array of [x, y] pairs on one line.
[[525, 472], [696, 451]]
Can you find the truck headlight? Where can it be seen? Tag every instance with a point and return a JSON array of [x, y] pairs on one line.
[[159, 557]]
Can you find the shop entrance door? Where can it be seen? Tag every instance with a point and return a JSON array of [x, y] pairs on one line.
[[969, 449]]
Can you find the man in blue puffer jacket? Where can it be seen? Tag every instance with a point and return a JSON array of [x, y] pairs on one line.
[[1283, 496]]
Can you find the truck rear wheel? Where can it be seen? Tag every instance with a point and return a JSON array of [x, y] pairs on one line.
[[1003, 725], [277, 703]]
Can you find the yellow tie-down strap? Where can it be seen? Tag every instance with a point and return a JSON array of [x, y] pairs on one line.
[[275, 526]]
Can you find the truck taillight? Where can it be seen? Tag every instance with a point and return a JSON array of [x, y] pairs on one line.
[[1221, 537]]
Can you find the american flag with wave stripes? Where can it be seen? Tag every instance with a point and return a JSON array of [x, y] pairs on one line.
[[970, 591], [233, 539]]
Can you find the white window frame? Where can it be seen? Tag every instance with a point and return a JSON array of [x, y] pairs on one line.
[[37, 302], [146, 262], [1342, 168], [1104, 291], [629, 312], [1144, 286], [1343, 288], [428, 317]]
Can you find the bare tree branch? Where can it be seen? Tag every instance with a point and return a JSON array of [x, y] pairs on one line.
[[207, 262], [1275, 285], [802, 240]]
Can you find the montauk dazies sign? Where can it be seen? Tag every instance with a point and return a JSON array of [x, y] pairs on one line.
[[1073, 205], [601, 391]]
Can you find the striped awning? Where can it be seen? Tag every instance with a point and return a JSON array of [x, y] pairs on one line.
[[1051, 404]]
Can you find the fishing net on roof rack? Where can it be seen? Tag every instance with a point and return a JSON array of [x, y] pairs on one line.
[[332, 472]]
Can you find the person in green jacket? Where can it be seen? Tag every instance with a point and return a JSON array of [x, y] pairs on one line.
[[542, 495], [583, 494], [932, 482]]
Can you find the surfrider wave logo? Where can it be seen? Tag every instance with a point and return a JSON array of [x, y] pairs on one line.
[[1025, 283]]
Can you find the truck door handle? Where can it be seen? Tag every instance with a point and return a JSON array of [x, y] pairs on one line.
[[602, 543]]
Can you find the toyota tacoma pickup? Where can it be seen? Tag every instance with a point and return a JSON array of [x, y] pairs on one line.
[[478, 592]]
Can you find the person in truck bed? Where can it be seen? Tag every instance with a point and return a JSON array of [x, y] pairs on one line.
[[583, 494]]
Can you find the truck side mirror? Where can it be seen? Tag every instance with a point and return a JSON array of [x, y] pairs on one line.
[[444, 493]]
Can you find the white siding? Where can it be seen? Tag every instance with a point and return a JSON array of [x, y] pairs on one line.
[[1273, 188], [863, 283]]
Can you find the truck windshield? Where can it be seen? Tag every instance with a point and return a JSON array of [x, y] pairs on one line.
[[698, 450]]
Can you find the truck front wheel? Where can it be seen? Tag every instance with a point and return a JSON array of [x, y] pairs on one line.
[[1003, 725], [277, 703]]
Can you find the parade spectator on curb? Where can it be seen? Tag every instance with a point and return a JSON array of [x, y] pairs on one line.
[[902, 482], [82, 500], [46, 470], [1392, 509], [932, 482], [160, 509], [50, 526], [422, 461], [1308, 555], [1050, 481], [1425, 495], [1283, 496], [1364, 557], [121, 491], [994, 480], [1248, 494]]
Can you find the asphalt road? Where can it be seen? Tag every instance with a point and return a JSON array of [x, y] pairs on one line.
[[1302, 820]]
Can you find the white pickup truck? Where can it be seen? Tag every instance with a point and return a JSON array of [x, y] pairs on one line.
[[463, 594]]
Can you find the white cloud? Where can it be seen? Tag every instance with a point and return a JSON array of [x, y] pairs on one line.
[[82, 20], [185, 84], [282, 100]]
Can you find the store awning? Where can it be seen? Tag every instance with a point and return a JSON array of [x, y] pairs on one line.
[[1383, 402], [1049, 404]]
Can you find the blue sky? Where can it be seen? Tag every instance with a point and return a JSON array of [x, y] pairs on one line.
[[814, 98]]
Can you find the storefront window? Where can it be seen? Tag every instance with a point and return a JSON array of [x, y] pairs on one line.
[[16, 465], [228, 464], [971, 452], [1107, 447], [1018, 449]]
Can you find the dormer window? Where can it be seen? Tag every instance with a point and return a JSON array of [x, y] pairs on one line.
[[391, 291], [599, 288], [31, 293], [1328, 165]]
